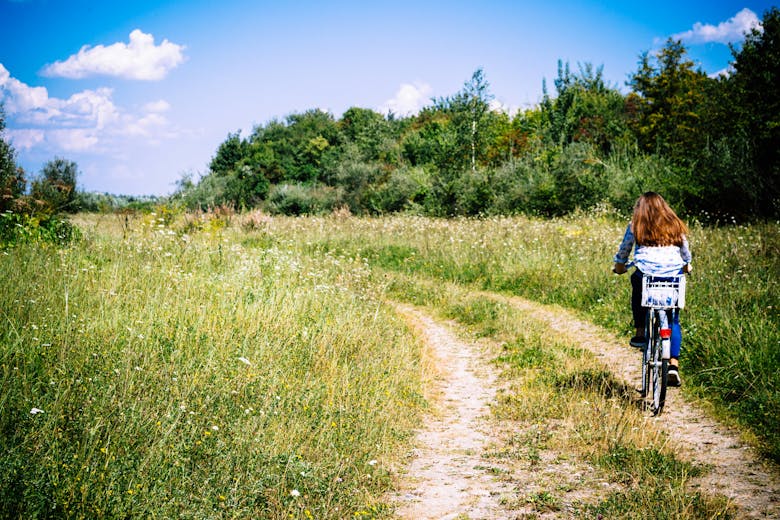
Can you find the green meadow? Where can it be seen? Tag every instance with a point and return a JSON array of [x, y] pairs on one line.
[[235, 366]]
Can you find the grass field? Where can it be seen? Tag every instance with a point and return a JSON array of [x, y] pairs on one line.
[[731, 345], [190, 375], [205, 366]]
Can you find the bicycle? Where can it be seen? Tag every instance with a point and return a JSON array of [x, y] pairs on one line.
[[663, 297]]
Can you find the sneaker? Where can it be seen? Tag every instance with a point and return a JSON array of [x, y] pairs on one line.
[[673, 377], [638, 342]]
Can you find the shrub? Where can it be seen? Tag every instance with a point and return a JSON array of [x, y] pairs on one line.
[[302, 199], [17, 228]]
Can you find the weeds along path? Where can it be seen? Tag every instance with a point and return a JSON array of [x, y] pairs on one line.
[[444, 479], [735, 470]]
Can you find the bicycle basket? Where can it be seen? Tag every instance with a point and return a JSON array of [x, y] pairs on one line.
[[664, 293]]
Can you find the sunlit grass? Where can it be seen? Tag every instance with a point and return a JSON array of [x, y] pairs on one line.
[[249, 366], [731, 324], [149, 373]]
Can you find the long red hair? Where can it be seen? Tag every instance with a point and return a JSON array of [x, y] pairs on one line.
[[655, 223]]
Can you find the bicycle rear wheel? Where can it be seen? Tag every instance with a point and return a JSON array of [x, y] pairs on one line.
[[647, 354], [659, 368]]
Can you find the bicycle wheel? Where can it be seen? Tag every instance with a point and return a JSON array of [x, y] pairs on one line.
[[646, 354], [659, 370]]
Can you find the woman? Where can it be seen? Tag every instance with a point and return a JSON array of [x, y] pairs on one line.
[[658, 237]]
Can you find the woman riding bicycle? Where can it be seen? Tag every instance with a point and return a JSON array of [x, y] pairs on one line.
[[661, 250]]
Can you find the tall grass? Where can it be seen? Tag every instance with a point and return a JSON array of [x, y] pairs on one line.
[[731, 327], [209, 367], [149, 373]]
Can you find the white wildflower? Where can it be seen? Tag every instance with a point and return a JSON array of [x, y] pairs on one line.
[[35, 411], [295, 493]]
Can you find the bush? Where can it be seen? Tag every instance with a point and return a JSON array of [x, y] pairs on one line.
[[405, 190], [358, 180], [302, 199], [17, 228]]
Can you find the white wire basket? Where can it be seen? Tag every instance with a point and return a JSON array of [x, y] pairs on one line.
[[663, 293]]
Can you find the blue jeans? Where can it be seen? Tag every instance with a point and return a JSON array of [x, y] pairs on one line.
[[640, 313]]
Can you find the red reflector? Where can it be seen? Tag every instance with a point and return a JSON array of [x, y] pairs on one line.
[[666, 333]]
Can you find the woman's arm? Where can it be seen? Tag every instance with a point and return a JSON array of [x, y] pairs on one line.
[[621, 257]]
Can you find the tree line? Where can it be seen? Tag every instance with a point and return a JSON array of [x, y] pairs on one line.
[[709, 144]]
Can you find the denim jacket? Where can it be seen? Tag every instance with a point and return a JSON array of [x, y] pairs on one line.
[[653, 260]]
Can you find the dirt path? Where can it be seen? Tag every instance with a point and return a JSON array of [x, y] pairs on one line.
[[736, 471], [445, 476], [448, 476]]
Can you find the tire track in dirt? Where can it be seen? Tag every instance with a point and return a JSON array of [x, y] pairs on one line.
[[735, 470], [463, 465], [447, 477]]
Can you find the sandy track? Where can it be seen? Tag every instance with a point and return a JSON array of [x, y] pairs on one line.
[[447, 476], [736, 471]]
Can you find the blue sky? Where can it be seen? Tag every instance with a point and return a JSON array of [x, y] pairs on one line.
[[139, 93]]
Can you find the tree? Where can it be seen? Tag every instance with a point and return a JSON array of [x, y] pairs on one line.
[[229, 153], [667, 104], [468, 110], [56, 186], [12, 181], [586, 110], [297, 150], [754, 85]]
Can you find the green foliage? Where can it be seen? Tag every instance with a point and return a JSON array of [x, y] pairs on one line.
[[22, 228], [35, 218], [12, 181], [709, 145], [229, 153], [405, 189], [585, 110], [94, 202], [300, 199], [55, 189], [756, 101]]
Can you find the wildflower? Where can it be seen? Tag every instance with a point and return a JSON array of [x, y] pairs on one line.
[[35, 411], [244, 361], [372, 462], [215, 427], [295, 493]]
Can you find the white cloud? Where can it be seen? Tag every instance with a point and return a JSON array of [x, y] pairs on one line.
[[157, 107], [732, 30], [73, 139], [26, 138], [18, 97], [86, 121], [139, 59], [725, 72], [408, 100]]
